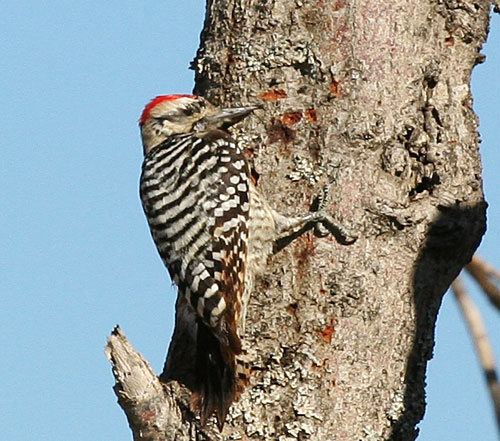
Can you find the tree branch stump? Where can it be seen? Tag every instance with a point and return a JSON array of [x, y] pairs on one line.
[[155, 411]]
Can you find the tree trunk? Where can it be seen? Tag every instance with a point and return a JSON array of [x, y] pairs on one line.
[[374, 98]]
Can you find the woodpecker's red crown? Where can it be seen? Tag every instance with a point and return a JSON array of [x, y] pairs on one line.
[[160, 99]]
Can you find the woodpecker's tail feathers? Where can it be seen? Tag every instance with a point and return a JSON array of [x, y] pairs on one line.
[[219, 378]]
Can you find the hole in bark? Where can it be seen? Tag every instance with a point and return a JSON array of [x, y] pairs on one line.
[[431, 82], [306, 69], [435, 115], [427, 183]]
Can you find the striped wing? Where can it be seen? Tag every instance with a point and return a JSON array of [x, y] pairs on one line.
[[195, 193], [195, 196]]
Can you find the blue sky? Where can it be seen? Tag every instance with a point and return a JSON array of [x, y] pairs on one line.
[[77, 257]]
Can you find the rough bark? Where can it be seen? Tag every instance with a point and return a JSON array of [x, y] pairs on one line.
[[373, 97]]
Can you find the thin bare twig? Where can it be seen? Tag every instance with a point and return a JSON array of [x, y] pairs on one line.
[[483, 348], [487, 276]]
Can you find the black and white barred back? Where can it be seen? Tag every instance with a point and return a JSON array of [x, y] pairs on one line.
[[195, 192]]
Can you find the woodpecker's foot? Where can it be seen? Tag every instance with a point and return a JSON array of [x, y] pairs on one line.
[[288, 229], [326, 225]]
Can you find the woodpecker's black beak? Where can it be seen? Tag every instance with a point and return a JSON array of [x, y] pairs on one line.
[[227, 117]]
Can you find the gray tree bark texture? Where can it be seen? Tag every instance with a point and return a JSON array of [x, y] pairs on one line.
[[374, 98]]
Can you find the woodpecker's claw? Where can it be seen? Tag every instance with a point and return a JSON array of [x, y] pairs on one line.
[[340, 233], [324, 223]]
